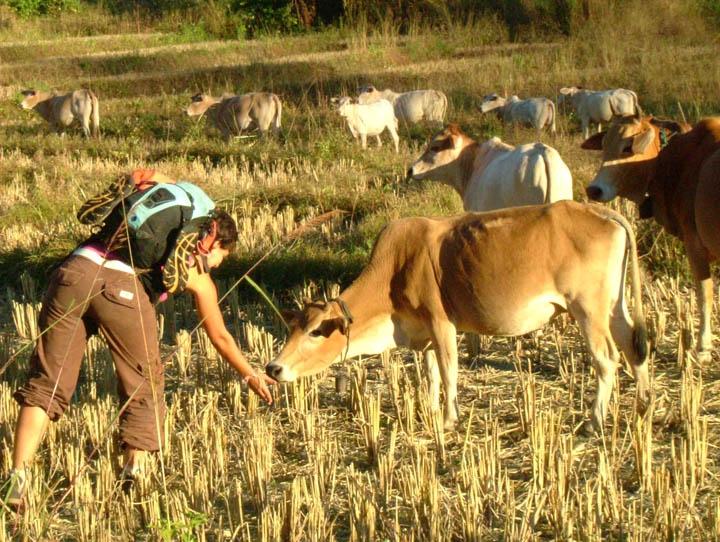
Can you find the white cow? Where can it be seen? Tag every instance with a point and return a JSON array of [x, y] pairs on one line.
[[412, 106], [368, 119], [600, 105], [493, 175], [536, 112]]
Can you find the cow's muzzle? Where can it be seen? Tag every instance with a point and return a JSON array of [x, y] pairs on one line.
[[273, 370], [595, 193]]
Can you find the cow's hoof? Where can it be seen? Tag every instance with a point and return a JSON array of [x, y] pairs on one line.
[[449, 425], [588, 429], [704, 356], [341, 383]]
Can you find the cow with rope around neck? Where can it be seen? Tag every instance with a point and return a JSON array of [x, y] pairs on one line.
[[505, 272]]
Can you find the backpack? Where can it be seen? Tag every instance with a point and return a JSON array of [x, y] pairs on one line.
[[153, 226]]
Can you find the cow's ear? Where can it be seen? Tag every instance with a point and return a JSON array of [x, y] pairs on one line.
[[642, 141], [670, 125], [565, 91], [28, 92], [594, 142], [290, 316], [329, 326]]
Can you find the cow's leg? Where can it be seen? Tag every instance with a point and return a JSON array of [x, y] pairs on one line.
[[433, 373], [445, 344], [605, 356], [378, 140], [700, 266], [585, 128], [363, 140], [85, 119], [396, 139]]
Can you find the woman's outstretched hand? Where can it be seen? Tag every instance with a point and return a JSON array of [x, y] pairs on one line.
[[259, 382]]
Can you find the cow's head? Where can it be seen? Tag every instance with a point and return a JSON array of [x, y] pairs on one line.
[[439, 161], [31, 99], [341, 104], [566, 93], [199, 103], [368, 94], [628, 147], [318, 337], [492, 101]]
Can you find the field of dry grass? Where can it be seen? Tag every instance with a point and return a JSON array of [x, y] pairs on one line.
[[371, 462]]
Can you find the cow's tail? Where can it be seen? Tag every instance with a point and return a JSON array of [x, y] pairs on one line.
[[558, 179], [551, 120], [640, 335], [278, 112], [95, 115], [636, 103], [440, 106]]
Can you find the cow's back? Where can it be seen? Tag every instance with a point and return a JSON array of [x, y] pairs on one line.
[[530, 174], [674, 184], [486, 267]]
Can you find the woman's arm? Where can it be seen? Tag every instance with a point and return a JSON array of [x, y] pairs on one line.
[[206, 301]]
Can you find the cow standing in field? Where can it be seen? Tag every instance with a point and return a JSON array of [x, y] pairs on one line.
[[492, 175], [59, 110], [232, 115], [505, 272], [410, 107], [600, 105], [672, 173], [368, 119], [537, 113]]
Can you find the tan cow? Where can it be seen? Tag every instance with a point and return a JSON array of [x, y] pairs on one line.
[[505, 272], [492, 174], [233, 114], [658, 165], [61, 109]]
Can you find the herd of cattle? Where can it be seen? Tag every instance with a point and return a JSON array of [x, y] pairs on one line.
[[529, 254]]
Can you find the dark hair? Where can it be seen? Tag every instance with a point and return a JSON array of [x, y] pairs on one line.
[[227, 233]]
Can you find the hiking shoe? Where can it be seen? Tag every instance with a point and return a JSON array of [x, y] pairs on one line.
[[15, 488], [129, 478]]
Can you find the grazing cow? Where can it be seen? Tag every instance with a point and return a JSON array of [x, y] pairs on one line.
[[411, 107], [600, 105], [492, 175], [368, 119], [505, 272], [233, 114], [535, 112], [61, 109], [671, 173]]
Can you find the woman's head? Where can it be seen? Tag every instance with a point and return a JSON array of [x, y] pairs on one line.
[[227, 233], [226, 236]]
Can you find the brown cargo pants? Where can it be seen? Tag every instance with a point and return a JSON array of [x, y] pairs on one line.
[[81, 296]]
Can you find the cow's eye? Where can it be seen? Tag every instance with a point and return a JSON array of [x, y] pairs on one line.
[[315, 333], [628, 149]]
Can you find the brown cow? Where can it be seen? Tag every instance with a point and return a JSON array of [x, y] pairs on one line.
[[232, 114], [665, 182], [61, 109], [505, 272]]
